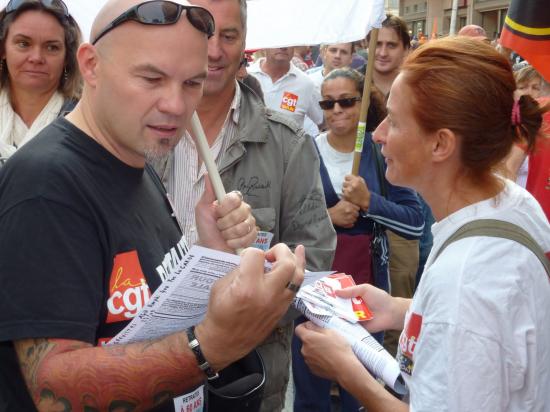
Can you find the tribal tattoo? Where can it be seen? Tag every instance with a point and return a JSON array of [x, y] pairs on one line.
[[67, 375]]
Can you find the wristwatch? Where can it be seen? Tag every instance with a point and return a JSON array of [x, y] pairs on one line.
[[195, 347]]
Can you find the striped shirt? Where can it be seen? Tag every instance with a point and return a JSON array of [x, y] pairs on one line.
[[186, 182]]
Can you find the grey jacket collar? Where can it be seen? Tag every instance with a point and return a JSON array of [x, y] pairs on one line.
[[252, 128]]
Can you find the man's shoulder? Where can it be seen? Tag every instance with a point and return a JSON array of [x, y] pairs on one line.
[[44, 150], [254, 111], [314, 70], [286, 123], [49, 162], [300, 77]]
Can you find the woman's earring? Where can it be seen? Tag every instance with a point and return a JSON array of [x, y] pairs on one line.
[[65, 74]]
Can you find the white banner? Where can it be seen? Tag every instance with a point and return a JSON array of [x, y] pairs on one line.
[[279, 23]]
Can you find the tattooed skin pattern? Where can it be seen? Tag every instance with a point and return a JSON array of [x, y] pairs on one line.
[[67, 375]]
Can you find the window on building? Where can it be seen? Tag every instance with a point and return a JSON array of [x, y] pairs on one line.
[[406, 9], [415, 8]]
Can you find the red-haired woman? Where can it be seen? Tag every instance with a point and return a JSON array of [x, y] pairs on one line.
[[475, 335]]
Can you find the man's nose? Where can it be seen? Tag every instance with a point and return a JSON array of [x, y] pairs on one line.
[[173, 101], [214, 48]]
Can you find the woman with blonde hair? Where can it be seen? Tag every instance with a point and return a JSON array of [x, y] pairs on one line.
[[39, 77]]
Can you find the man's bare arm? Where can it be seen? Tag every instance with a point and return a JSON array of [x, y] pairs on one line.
[[64, 375], [67, 375]]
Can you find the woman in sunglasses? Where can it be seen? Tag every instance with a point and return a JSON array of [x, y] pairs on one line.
[[39, 77], [361, 209]]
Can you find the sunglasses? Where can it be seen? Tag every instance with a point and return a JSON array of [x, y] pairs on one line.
[[14, 5], [161, 13], [344, 103]]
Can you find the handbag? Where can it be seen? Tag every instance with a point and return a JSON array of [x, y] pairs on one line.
[[240, 386]]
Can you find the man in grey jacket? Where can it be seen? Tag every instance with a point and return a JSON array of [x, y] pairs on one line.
[[267, 158]]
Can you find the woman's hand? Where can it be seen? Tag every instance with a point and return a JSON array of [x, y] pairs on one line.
[[356, 191], [389, 312], [344, 214], [325, 351]]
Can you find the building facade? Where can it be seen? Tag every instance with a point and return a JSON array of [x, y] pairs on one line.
[[433, 17]]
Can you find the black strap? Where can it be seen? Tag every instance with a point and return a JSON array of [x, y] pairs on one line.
[[498, 228], [195, 347], [377, 154]]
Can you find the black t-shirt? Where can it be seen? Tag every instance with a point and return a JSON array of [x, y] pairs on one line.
[[84, 238]]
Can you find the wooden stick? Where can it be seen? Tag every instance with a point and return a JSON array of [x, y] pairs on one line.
[[206, 156], [365, 103]]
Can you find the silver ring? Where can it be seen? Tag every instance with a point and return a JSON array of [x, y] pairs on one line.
[[293, 287]]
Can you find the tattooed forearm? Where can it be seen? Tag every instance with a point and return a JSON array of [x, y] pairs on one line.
[[65, 375], [34, 351]]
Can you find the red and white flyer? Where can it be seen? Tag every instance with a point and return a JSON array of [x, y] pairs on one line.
[[319, 304], [320, 298]]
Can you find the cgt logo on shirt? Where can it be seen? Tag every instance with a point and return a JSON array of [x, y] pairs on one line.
[[289, 102], [128, 289], [407, 343]]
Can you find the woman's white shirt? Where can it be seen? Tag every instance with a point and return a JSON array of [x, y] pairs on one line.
[[476, 336], [14, 133], [338, 164]]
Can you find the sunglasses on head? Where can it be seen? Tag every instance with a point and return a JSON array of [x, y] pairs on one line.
[[345, 103], [161, 13], [58, 5]]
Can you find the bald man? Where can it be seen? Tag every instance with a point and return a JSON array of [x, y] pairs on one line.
[[473, 30], [87, 233]]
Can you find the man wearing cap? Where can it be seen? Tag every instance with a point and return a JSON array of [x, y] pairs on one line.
[[264, 155], [87, 233]]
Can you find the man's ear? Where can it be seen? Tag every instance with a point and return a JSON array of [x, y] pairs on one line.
[[87, 57], [445, 145]]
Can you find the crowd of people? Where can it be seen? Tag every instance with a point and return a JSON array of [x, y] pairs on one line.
[[103, 192]]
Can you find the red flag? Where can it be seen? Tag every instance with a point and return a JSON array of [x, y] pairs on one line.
[[434, 29], [527, 32]]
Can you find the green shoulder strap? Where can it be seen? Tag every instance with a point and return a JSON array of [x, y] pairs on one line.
[[498, 228]]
